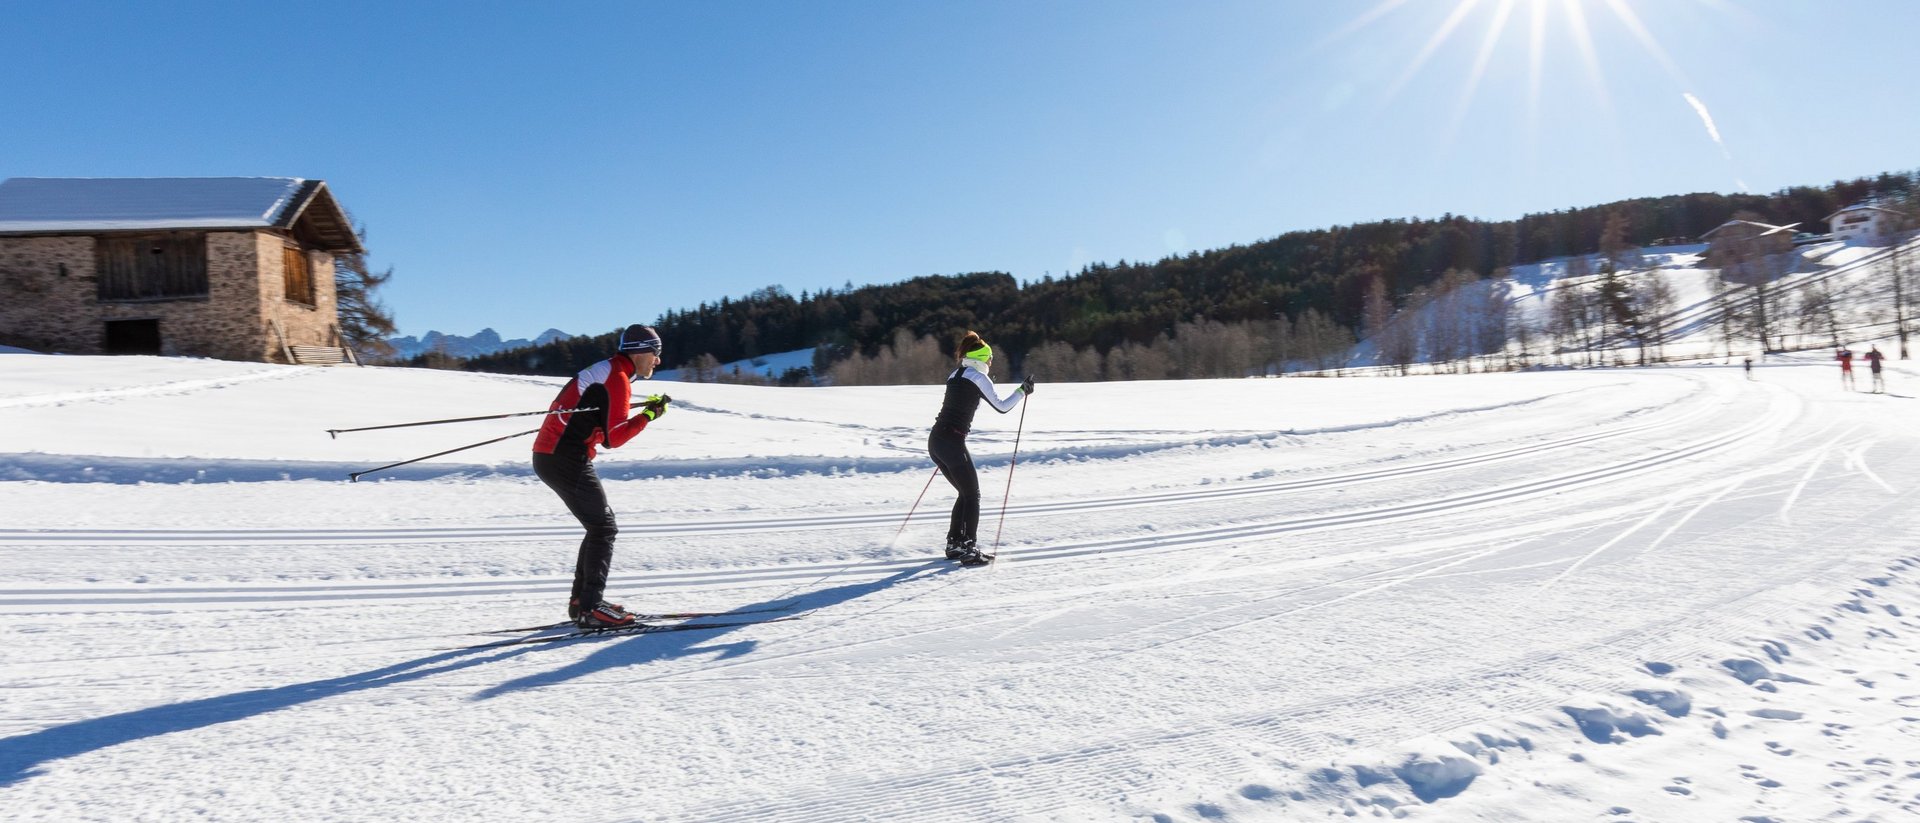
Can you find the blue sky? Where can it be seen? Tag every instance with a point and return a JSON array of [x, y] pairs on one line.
[[585, 165]]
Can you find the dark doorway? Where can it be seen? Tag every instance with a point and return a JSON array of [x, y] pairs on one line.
[[133, 337]]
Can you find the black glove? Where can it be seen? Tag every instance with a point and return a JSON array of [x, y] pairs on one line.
[[655, 406], [1027, 387]]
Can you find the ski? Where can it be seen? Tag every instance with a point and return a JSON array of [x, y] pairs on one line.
[[779, 607], [621, 631]]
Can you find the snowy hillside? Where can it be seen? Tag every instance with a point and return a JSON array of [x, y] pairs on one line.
[[1666, 594], [1856, 278], [770, 366]]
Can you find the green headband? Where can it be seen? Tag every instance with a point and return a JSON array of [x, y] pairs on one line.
[[982, 354]]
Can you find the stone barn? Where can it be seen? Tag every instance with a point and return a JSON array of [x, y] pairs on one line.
[[236, 268]]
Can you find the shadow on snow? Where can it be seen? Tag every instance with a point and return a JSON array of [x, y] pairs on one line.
[[22, 755]]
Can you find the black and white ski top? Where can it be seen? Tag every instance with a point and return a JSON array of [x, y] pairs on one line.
[[966, 387]]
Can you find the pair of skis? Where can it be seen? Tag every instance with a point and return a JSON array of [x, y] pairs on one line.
[[644, 622], [641, 626]]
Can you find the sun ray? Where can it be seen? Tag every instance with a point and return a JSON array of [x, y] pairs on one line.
[[1439, 38], [1583, 40], [1632, 21], [1536, 60], [1358, 23], [1492, 38]]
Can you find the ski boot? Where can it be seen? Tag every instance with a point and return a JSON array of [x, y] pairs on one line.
[[957, 548], [970, 555], [604, 616]]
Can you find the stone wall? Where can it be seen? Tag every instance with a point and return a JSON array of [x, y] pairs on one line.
[[303, 325], [49, 300], [47, 294]]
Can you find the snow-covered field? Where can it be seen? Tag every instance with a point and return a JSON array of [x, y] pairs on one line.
[[1667, 594]]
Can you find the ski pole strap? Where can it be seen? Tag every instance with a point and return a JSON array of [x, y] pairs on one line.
[[354, 477], [335, 433]]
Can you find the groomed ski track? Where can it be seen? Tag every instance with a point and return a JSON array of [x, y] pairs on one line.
[[1284, 617]]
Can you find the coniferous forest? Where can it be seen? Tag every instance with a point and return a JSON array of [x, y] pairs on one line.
[[1302, 292]]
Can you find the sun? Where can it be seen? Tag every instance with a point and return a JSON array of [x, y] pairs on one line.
[[1533, 19]]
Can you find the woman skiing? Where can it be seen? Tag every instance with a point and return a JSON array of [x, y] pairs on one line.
[[947, 443]]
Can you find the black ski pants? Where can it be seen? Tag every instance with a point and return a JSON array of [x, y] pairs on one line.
[[948, 449], [573, 478]]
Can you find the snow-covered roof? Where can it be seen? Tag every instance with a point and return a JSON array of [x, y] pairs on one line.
[[1863, 207], [67, 205]]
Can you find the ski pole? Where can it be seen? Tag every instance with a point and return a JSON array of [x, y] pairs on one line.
[[1014, 461], [916, 505], [355, 476], [335, 433]]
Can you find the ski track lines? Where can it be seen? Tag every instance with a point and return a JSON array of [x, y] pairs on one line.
[[787, 524], [1528, 686], [177, 387], [1403, 569], [44, 599], [79, 468]]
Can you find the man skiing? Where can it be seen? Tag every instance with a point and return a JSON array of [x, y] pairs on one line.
[[563, 459], [947, 443], [1873, 358], [1845, 356]]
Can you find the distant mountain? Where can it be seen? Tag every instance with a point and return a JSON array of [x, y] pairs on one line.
[[485, 341]]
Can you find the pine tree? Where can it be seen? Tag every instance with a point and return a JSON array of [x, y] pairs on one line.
[[365, 322]]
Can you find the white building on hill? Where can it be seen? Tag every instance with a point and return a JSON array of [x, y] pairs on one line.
[[1866, 225]]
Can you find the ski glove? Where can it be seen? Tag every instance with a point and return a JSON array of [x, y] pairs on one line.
[[1027, 387], [655, 406]]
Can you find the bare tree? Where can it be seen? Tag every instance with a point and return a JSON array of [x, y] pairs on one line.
[[1815, 314], [1903, 219], [1139, 361], [1728, 315], [1491, 315], [1378, 308], [1614, 247], [1322, 340], [1654, 302], [1278, 340], [1450, 318], [1061, 362], [1750, 254], [1524, 332], [704, 368], [907, 360], [1570, 319]]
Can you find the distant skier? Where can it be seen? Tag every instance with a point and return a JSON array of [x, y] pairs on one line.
[[1749, 366], [1845, 356], [1873, 358], [947, 443], [563, 459]]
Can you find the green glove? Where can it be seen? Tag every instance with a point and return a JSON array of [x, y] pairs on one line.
[[655, 406]]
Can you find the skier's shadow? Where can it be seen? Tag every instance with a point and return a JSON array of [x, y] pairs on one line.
[[22, 755], [642, 649]]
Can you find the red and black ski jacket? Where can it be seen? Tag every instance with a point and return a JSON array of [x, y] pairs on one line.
[[605, 386]]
